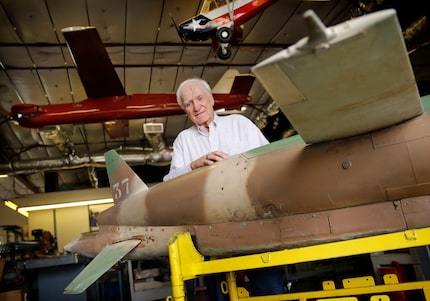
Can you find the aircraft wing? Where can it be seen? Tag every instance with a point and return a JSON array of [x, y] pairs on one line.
[[95, 69], [326, 95], [110, 255], [92, 61]]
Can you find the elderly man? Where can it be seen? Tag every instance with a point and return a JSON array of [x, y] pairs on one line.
[[213, 138]]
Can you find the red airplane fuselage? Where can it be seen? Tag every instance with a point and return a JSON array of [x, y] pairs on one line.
[[246, 12], [210, 21], [133, 106]]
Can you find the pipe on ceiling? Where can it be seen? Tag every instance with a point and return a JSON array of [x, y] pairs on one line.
[[30, 166]]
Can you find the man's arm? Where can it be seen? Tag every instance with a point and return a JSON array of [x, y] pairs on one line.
[[176, 172], [205, 160], [177, 165]]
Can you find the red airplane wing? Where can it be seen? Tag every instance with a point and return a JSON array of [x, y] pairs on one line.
[[98, 76], [92, 61]]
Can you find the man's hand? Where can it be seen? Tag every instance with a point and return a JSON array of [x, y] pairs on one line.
[[208, 159]]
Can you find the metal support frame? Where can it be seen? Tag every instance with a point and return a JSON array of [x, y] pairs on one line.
[[187, 263]]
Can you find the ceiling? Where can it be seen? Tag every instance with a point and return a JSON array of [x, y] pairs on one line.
[[149, 57]]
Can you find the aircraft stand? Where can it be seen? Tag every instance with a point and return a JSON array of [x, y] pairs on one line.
[[187, 263]]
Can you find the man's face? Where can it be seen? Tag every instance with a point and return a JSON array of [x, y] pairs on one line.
[[198, 103]]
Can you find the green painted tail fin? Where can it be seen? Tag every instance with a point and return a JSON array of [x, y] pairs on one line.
[[122, 179]]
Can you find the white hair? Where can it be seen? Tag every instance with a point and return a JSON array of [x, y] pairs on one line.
[[204, 84]]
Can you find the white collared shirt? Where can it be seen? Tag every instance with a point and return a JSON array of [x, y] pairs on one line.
[[232, 134]]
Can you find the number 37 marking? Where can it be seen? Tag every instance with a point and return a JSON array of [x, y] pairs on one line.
[[121, 189]]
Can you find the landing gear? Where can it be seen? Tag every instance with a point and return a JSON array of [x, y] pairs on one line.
[[224, 51], [224, 35]]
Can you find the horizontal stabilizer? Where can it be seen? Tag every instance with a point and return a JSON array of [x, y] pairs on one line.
[[344, 80], [110, 255]]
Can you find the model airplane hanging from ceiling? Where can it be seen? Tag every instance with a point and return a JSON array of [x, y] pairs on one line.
[[107, 100], [359, 167], [222, 21]]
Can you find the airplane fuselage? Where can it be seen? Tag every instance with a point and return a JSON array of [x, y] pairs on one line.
[[300, 194], [111, 108], [205, 25], [289, 177]]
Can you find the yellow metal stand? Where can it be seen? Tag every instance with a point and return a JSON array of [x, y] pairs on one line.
[[187, 263]]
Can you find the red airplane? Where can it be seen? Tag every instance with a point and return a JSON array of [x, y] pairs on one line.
[[221, 21], [107, 100]]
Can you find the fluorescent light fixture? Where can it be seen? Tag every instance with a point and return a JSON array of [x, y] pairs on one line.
[[14, 206], [4, 176], [10, 204], [25, 213], [65, 205]]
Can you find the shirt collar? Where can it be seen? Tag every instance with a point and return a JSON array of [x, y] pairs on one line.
[[212, 124]]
